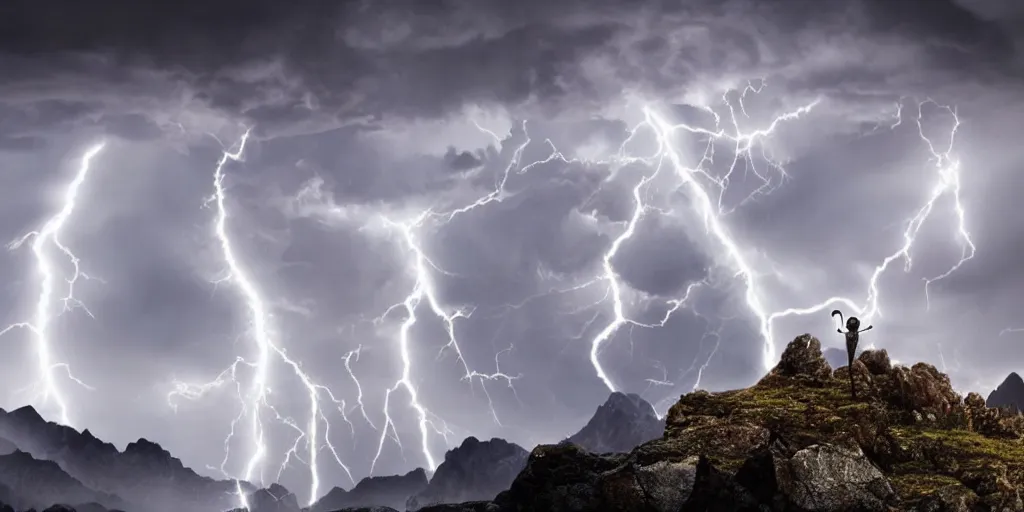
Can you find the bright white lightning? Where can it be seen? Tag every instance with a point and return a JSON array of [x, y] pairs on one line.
[[49, 234], [347, 358], [254, 402], [424, 291], [708, 209], [947, 183]]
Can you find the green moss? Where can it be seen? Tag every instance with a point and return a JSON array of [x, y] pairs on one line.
[[916, 486], [921, 458]]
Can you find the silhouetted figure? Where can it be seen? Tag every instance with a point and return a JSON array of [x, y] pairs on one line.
[[852, 333]]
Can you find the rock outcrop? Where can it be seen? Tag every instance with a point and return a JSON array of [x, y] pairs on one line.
[[1009, 394], [476, 470], [622, 423], [380, 491], [145, 475], [797, 441]]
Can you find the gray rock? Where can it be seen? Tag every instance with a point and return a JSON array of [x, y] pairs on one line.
[[667, 485], [834, 479], [952, 498]]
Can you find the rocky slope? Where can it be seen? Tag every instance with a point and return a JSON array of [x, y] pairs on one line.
[[622, 423], [1009, 394], [797, 441], [476, 470], [144, 474], [390, 491]]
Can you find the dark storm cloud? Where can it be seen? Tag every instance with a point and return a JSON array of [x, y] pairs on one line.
[[461, 160], [322, 63], [366, 112]]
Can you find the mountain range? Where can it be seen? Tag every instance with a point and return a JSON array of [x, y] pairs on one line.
[[43, 463], [795, 441]]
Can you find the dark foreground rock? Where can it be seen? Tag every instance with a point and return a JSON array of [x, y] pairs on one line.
[[797, 441], [622, 423]]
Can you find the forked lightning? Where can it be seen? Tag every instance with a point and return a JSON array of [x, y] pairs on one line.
[[255, 406], [47, 237], [946, 184], [705, 191]]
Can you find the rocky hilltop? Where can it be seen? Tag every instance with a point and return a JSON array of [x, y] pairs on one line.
[[619, 425], [797, 441]]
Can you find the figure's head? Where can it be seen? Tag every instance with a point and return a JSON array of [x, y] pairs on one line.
[[853, 324]]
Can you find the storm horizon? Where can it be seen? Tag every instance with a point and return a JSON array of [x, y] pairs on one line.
[[312, 243]]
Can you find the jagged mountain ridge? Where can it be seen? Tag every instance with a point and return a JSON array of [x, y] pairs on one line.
[[476, 470], [144, 474], [1009, 394], [622, 423]]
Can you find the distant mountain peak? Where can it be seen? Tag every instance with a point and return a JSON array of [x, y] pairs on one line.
[[1010, 393], [27, 414], [476, 470], [622, 422], [144, 445], [620, 401]]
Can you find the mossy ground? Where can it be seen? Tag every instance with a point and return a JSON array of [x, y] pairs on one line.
[[921, 456]]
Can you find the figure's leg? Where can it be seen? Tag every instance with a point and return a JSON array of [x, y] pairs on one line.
[[851, 349]]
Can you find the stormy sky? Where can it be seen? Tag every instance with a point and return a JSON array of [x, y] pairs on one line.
[[765, 157]]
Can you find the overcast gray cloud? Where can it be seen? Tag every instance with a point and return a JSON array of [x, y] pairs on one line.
[[365, 115]]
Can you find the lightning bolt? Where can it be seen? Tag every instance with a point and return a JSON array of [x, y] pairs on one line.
[[347, 358], [42, 239], [946, 184], [424, 292], [254, 401], [706, 191]]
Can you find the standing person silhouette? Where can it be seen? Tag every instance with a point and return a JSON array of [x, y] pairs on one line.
[[852, 333]]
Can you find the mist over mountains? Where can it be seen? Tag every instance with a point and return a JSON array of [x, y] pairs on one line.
[[43, 463]]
